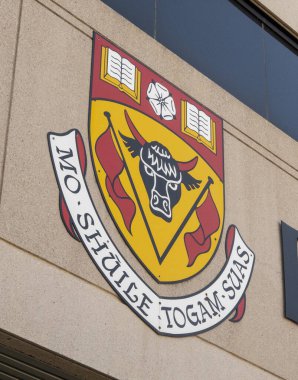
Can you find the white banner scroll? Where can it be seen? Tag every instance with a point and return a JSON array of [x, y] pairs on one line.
[[179, 316]]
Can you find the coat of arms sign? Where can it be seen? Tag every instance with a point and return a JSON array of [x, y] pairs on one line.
[[157, 156]]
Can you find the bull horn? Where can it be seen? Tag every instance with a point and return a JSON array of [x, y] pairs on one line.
[[133, 129], [187, 166]]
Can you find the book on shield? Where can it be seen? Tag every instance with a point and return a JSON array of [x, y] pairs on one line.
[[121, 73], [199, 125]]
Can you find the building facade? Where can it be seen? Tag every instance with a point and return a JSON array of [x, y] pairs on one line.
[[59, 316]]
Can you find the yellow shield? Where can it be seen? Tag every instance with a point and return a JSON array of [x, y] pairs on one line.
[[175, 244]]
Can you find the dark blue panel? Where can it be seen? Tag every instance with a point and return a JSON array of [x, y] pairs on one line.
[[139, 12], [220, 41], [282, 75], [290, 266]]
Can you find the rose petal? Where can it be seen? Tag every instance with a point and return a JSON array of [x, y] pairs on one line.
[[162, 91], [152, 92], [165, 113], [169, 102], [155, 104]]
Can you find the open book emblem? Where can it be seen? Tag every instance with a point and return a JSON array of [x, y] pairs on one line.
[[158, 159]]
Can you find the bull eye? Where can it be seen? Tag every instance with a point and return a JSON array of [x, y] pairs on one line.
[[173, 186], [148, 171]]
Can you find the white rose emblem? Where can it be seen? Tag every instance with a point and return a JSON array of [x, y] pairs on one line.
[[161, 101]]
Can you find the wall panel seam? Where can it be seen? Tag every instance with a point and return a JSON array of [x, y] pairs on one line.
[[262, 155], [64, 19], [241, 358], [259, 144], [2, 169], [63, 269]]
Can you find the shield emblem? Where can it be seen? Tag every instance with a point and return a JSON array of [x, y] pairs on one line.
[[158, 160]]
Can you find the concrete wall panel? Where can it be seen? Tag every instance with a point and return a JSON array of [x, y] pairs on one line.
[[51, 93], [73, 318], [9, 21]]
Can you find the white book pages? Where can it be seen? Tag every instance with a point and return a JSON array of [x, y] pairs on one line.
[[128, 74], [198, 121], [204, 125], [114, 64], [192, 117], [121, 69]]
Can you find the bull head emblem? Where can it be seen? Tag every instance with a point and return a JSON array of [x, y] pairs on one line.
[[161, 173]]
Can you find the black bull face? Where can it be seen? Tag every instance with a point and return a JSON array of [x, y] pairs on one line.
[[161, 173]]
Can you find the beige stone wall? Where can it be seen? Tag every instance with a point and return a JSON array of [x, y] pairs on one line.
[[51, 293], [283, 11]]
